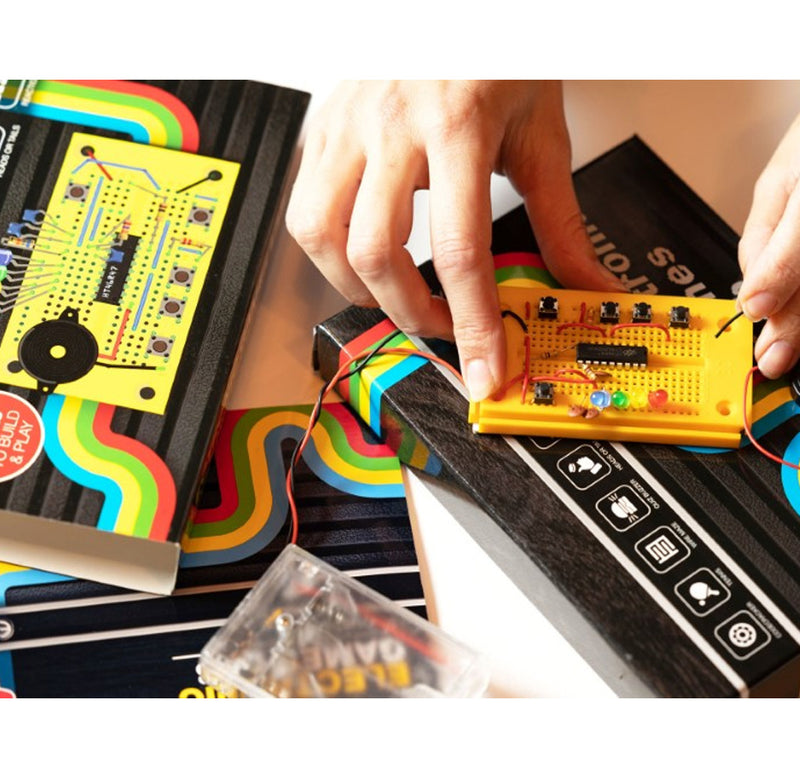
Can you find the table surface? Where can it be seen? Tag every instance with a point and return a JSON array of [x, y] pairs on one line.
[[717, 136]]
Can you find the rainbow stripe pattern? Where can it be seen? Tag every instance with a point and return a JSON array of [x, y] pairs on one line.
[[252, 476], [522, 268], [146, 113]]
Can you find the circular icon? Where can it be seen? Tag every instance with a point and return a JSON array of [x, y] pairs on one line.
[[21, 435], [742, 634], [6, 630]]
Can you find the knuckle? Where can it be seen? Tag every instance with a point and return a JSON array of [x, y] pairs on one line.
[[458, 253], [368, 255], [474, 335], [311, 228]]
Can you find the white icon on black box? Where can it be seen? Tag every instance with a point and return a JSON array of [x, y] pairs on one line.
[[702, 591], [584, 467], [662, 549], [623, 508], [742, 635]]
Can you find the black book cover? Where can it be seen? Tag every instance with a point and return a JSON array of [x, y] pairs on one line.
[[135, 218]]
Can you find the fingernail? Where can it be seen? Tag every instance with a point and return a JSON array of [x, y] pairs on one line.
[[615, 281], [479, 380], [777, 359], [759, 306]]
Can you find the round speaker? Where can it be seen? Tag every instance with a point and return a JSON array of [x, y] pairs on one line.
[[58, 351]]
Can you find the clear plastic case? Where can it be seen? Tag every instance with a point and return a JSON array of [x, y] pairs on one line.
[[309, 630]]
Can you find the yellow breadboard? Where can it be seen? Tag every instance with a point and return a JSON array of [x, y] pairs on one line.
[[109, 275], [620, 367]]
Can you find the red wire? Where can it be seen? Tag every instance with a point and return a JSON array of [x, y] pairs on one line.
[[580, 324], [345, 368], [749, 432]]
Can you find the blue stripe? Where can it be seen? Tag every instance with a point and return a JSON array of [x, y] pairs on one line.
[[789, 476], [161, 244], [142, 301], [96, 223], [7, 671], [138, 132], [276, 476], [91, 209], [385, 381], [109, 488]]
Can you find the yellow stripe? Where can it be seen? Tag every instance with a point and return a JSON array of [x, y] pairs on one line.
[[772, 401], [375, 369], [260, 478]]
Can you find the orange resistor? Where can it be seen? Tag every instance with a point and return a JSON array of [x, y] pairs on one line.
[[124, 230], [22, 243], [190, 242]]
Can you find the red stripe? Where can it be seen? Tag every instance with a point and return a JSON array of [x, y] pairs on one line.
[[512, 258], [226, 473], [355, 437], [365, 340], [165, 509], [187, 122]]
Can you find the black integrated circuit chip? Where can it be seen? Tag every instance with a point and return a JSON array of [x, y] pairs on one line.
[[610, 354]]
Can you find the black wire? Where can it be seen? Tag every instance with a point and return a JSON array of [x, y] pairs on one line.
[[518, 319], [317, 410], [728, 323]]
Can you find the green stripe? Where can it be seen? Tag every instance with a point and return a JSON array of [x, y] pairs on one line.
[[524, 272], [144, 478], [153, 107], [347, 453], [766, 388], [354, 381]]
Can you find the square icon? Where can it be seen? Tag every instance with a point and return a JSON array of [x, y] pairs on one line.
[[584, 467], [702, 591], [623, 508], [742, 635], [662, 549]]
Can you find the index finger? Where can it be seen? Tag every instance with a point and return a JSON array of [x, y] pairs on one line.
[[461, 229]]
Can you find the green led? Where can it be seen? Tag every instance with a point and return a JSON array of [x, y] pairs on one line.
[[620, 400], [3, 273]]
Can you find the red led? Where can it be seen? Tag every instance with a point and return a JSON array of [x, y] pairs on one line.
[[658, 398]]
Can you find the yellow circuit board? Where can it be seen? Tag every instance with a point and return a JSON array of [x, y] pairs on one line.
[[102, 286], [608, 366]]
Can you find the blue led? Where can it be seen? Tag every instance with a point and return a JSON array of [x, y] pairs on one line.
[[600, 399]]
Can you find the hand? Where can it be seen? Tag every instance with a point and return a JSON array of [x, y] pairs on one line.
[[769, 255], [373, 144]]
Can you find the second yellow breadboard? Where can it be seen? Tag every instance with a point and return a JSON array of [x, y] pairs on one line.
[[620, 367]]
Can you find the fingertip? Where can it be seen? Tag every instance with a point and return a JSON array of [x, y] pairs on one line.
[[777, 359], [479, 379], [759, 306]]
